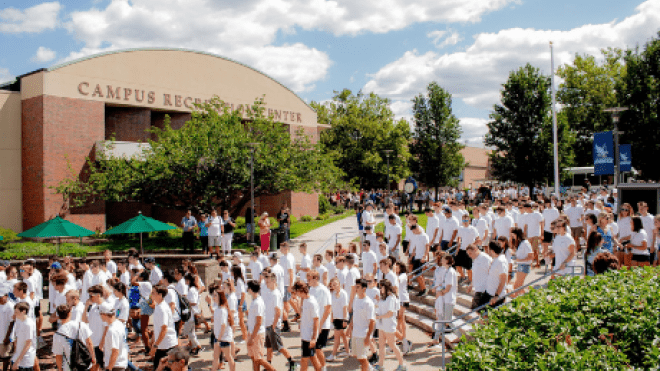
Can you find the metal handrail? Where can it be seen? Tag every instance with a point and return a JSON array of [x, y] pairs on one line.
[[334, 238], [430, 264], [440, 325]]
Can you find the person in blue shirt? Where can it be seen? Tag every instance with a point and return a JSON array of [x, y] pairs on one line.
[[188, 223], [203, 233], [359, 218]]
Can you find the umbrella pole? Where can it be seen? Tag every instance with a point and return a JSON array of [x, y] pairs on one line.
[[141, 247]]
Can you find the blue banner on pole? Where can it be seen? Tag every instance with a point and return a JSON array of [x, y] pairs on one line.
[[603, 153], [625, 157]]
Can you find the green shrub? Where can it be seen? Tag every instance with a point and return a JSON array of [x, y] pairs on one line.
[[172, 233], [240, 222], [337, 210], [8, 235], [293, 219], [607, 322], [324, 204], [319, 217], [306, 218]]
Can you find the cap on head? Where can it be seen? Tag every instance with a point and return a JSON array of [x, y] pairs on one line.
[[106, 308], [149, 260], [238, 254], [56, 265]]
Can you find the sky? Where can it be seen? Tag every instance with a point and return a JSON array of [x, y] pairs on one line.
[[394, 48]]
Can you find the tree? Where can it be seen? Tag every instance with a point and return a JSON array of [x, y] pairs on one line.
[[639, 90], [362, 127], [437, 159], [588, 87], [521, 130], [206, 163]]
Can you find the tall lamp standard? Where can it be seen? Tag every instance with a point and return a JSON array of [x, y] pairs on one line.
[[252, 147], [387, 153], [616, 114], [356, 136]]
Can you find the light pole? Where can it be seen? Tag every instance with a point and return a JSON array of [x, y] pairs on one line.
[[356, 136], [616, 114], [252, 146], [387, 153], [554, 126]]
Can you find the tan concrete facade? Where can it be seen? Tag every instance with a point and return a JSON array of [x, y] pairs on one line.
[[478, 167], [11, 215], [51, 119]]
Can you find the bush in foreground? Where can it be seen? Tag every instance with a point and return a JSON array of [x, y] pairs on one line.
[[608, 322]]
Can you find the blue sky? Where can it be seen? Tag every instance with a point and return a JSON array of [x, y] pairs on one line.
[[393, 47]]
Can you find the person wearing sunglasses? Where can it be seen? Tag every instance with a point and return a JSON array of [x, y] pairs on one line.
[[176, 360]]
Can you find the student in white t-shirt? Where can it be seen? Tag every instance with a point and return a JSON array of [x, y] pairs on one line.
[[305, 262], [330, 265], [317, 264], [363, 324], [25, 338], [115, 351], [445, 287], [524, 257], [369, 263], [563, 247], [339, 316], [69, 329], [386, 318], [164, 333], [189, 327], [255, 265], [393, 232], [466, 235], [324, 300], [222, 330], [639, 243], [256, 327], [110, 265], [352, 275]]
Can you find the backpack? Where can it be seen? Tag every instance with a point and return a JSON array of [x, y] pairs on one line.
[[80, 358], [184, 307]]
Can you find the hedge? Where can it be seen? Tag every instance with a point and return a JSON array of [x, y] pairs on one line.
[[607, 322]]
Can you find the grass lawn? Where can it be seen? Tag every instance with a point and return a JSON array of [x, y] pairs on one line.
[[21, 250]]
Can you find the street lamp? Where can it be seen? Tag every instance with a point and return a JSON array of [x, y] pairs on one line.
[[616, 114], [387, 153], [252, 146]]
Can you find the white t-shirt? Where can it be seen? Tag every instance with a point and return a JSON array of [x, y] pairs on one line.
[[391, 276], [352, 276], [482, 226], [498, 266], [636, 239], [321, 270], [193, 299], [273, 299], [288, 264], [111, 266], [467, 235], [560, 245], [503, 226], [310, 311], [363, 312], [221, 317], [341, 276], [368, 261], [6, 314], [115, 338], [625, 229], [278, 271], [338, 303], [95, 324], [172, 297], [306, 262], [524, 249], [574, 215], [549, 215], [125, 278], [418, 244], [181, 287], [432, 224], [323, 299], [163, 316], [255, 269], [393, 232], [448, 227], [404, 296], [332, 270], [61, 345], [155, 276], [214, 228], [264, 260], [257, 309], [648, 224], [391, 304], [241, 288], [24, 331], [76, 312], [122, 309], [533, 222]]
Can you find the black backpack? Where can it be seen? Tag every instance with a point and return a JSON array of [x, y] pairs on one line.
[[184, 307], [80, 358]]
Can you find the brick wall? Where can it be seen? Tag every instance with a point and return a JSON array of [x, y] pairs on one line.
[[58, 132], [177, 119], [127, 124]]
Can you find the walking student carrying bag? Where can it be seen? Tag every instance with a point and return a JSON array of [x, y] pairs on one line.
[[79, 359], [184, 306]]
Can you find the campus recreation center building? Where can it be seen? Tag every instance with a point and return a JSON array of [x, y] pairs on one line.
[[57, 116]]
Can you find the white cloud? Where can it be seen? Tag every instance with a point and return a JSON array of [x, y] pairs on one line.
[[444, 38], [5, 76], [31, 20], [474, 130], [246, 30], [44, 55], [476, 74]]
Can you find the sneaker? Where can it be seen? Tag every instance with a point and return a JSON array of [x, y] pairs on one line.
[[330, 358], [409, 346], [373, 359], [423, 292], [292, 366], [401, 368], [286, 328], [436, 347]]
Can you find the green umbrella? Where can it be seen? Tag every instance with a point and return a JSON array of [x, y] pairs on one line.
[[140, 224], [56, 227]]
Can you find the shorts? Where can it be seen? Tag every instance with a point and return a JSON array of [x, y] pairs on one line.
[[406, 304], [273, 339], [37, 311], [359, 350], [214, 241], [322, 340], [416, 263], [98, 353], [641, 258], [340, 324], [224, 344], [444, 245], [547, 237], [287, 294], [405, 244], [307, 351], [463, 260], [523, 268], [249, 228], [434, 247], [256, 350], [577, 231], [476, 300], [485, 298]]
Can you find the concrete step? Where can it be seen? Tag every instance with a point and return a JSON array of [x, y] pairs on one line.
[[426, 324], [428, 311]]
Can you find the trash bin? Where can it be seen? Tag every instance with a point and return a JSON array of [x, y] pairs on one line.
[[281, 235], [274, 246]]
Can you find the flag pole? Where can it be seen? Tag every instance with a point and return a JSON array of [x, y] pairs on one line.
[[554, 125]]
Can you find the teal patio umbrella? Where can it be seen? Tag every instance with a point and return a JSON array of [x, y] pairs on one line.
[[56, 227], [140, 224]]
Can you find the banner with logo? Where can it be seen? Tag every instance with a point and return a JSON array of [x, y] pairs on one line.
[[625, 157], [603, 153]]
